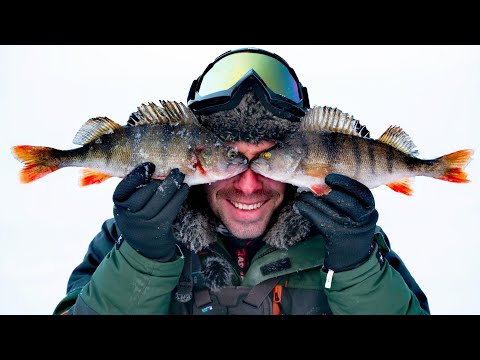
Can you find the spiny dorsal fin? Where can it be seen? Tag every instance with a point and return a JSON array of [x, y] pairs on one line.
[[167, 112], [399, 139], [94, 128], [324, 118]]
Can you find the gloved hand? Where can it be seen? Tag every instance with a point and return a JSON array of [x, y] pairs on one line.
[[346, 217], [144, 210]]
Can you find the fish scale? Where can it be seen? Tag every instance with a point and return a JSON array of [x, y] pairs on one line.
[[328, 141], [169, 136]]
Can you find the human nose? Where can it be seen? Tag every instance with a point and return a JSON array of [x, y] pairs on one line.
[[248, 182]]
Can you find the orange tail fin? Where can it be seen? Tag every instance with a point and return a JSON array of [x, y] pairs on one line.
[[39, 161], [454, 164]]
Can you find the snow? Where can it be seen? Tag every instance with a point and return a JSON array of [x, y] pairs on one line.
[[431, 92]]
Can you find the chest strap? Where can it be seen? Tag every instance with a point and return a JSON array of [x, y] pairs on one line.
[[255, 296], [260, 291], [184, 288]]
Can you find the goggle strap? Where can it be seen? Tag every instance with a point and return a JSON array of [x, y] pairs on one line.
[[306, 100], [191, 93]]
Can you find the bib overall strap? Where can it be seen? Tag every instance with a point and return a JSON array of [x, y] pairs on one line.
[[259, 292], [184, 288]]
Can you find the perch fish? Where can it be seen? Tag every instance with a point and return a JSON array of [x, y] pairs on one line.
[[328, 141], [168, 136]]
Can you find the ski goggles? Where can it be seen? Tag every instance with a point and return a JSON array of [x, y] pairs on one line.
[[222, 80]]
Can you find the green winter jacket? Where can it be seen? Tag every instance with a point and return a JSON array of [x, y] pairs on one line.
[[115, 279]]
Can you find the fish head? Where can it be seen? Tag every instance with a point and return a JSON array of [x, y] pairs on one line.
[[279, 162], [219, 161]]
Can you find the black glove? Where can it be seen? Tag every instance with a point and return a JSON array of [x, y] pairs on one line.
[[346, 217], [145, 209]]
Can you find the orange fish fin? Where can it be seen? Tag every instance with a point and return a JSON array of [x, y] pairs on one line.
[[454, 163], [39, 161], [90, 177], [321, 189], [318, 171], [403, 186]]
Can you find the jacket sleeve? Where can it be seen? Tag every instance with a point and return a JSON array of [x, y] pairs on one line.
[[98, 248], [381, 285], [118, 280]]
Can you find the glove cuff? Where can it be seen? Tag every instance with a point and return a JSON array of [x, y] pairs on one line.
[[347, 259], [163, 253]]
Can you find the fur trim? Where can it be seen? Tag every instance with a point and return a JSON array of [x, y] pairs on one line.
[[217, 273], [248, 121], [290, 228], [196, 226]]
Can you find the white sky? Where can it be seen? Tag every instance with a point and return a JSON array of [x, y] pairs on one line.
[[48, 92]]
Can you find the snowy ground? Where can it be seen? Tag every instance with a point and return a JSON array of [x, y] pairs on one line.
[[48, 92]]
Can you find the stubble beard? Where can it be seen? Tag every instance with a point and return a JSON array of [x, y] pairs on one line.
[[242, 230]]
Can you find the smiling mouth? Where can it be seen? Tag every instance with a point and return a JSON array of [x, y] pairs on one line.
[[247, 206]]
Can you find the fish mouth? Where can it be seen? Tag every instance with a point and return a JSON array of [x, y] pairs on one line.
[[259, 168], [240, 160], [236, 168]]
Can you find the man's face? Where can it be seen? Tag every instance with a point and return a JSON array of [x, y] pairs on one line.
[[245, 203]]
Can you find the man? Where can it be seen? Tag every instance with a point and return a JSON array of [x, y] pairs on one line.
[[248, 244]]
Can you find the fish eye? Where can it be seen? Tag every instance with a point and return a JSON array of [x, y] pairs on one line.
[[267, 155], [231, 154]]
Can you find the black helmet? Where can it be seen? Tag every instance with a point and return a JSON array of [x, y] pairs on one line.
[[226, 80]]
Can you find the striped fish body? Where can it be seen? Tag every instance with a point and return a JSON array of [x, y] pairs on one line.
[[333, 145], [167, 146], [111, 150]]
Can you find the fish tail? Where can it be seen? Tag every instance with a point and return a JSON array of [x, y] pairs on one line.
[[39, 161], [453, 165]]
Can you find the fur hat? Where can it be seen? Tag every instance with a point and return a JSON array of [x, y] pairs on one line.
[[249, 121]]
